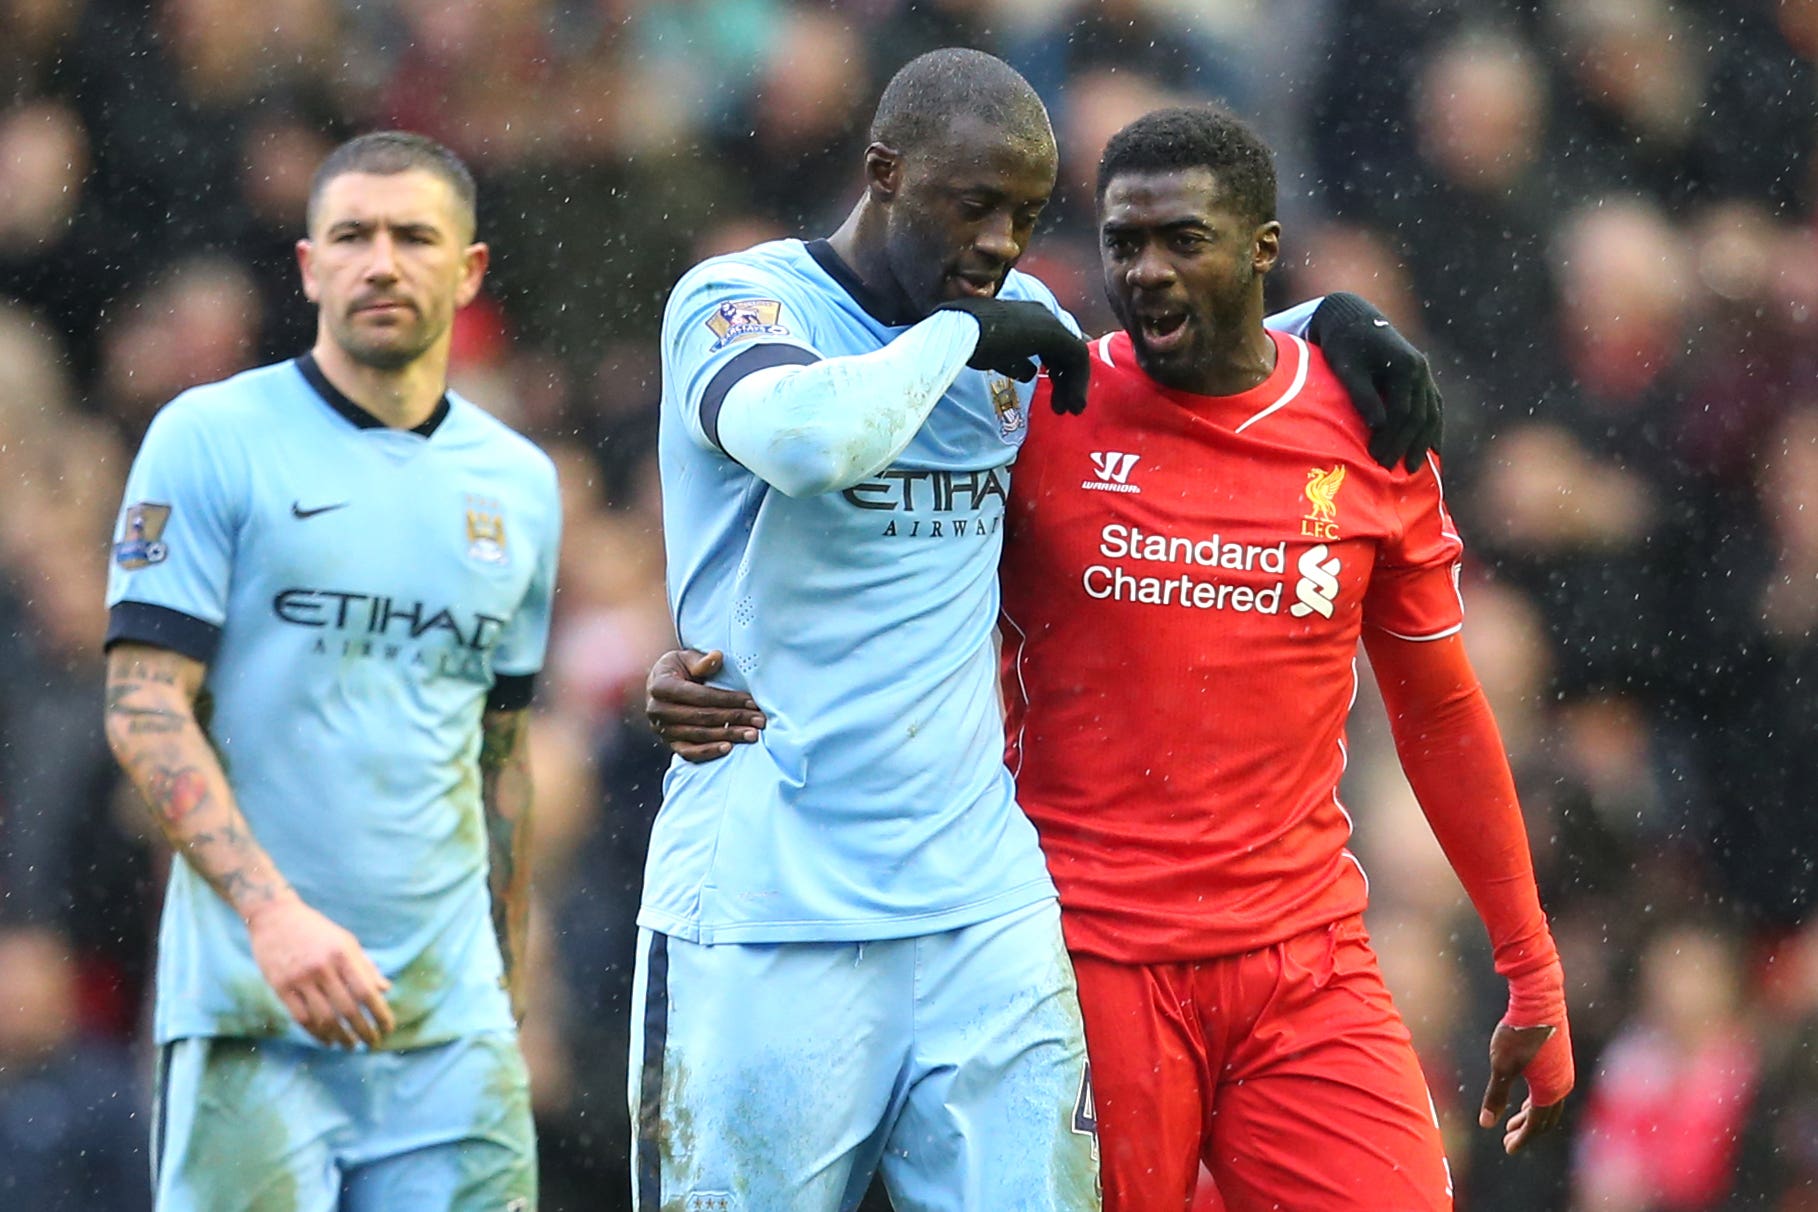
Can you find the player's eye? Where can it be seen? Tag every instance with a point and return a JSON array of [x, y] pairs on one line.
[[974, 208]]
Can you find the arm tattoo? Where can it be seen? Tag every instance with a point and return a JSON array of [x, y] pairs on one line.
[[505, 798], [164, 750], [499, 836], [499, 740], [175, 792]]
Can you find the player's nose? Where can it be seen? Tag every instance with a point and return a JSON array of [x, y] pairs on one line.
[[382, 258], [1149, 269], [998, 241]]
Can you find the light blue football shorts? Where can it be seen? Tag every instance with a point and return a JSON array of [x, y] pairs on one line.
[[247, 1125], [783, 1075]]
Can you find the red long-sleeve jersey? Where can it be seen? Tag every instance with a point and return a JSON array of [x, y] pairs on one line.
[[1185, 581]]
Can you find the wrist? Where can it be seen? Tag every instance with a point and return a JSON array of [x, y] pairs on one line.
[[1537, 998], [258, 903], [956, 323]]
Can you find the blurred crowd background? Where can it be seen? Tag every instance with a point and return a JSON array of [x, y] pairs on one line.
[[1600, 217]]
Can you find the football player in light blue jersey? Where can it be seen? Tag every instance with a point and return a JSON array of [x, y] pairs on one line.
[[329, 599], [850, 950]]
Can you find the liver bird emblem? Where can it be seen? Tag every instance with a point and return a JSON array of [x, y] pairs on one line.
[[1322, 489]]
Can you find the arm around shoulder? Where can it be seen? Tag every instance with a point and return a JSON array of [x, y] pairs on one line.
[[823, 427]]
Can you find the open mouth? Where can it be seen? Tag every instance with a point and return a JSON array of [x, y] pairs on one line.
[[1163, 331], [973, 287]]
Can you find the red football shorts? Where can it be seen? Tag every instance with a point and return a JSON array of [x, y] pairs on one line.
[[1287, 1071]]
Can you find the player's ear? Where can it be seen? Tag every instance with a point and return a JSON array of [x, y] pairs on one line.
[[474, 260], [883, 171], [305, 267], [1265, 248]]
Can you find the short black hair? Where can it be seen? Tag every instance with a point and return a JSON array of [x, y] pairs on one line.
[[1197, 136], [385, 152], [930, 91]]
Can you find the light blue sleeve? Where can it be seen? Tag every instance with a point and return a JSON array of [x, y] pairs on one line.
[[1295, 320], [795, 427], [525, 639], [722, 309], [179, 525]]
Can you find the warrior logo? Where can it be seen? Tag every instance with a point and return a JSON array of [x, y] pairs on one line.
[[1112, 468]]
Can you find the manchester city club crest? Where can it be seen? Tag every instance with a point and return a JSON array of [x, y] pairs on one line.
[[1010, 414], [486, 536]]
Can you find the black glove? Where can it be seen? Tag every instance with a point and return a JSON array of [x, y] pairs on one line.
[[1389, 380], [1011, 332]]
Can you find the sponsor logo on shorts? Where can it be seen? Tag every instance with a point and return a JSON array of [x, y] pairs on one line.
[[141, 536], [744, 319]]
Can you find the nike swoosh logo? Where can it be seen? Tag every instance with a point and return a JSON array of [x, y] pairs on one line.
[[1380, 323], [297, 510]]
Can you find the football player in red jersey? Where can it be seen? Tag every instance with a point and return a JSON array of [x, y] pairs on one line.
[[1215, 531]]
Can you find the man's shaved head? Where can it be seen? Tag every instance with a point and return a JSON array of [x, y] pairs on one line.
[[922, 101]]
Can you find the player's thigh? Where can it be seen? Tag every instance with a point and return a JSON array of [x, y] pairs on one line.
[[762, 1074], [449, 1127], [1148, 1088], [1332, 1112], [244, 1126], [998, 1113]]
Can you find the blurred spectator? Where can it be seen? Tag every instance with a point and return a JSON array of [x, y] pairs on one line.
[[1676, 1085], [37, 56], [1763, 716], [66, 862], [1635, 79], [1475, 220], [807, 110], [279, 155], [1764, 80], [72, 1115], [1582, 502], [199, 322], [1167, 43], [59, 249]]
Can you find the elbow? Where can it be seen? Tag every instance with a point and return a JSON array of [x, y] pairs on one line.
[[808, 463], [115, 730]]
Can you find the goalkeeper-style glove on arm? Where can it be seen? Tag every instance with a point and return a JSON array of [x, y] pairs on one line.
[[1389, 381], [1011, 332]]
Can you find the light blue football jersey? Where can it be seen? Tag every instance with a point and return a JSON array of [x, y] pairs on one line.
[[355, 591], [876, 805]]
